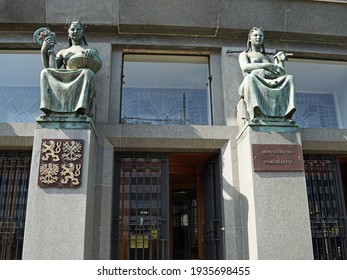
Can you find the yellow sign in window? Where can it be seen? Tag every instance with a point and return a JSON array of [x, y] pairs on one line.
[[139, 241]]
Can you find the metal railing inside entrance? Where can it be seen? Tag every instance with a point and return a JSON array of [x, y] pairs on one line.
[[14, 176], [327, 207], [140, 216]]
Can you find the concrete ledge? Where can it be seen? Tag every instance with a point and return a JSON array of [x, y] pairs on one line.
[[324, 139], [17, 135], [157, 138]]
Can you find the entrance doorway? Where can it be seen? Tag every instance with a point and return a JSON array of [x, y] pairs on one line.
[[185, 228], [187, 204], [161, 209]]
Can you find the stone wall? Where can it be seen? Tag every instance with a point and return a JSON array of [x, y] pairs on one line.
[[287, 20]]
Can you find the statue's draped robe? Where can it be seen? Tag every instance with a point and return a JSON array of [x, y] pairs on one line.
[[67, 91], [274, 98]]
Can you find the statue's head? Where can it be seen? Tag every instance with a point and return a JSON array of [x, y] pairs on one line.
[[76, 24], [250, 35]]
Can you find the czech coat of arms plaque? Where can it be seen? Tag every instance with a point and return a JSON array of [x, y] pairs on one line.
[[61, 162]]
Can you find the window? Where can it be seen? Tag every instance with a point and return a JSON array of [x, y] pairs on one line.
[[326, 201], [14, 182], [316, 110], [166, 89], [20, 86], [321, 93]]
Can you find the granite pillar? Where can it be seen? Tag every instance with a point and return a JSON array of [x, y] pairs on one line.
[[274, 206], [61, 195]]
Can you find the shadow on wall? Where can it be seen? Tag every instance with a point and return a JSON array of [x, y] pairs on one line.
[[235, 222]]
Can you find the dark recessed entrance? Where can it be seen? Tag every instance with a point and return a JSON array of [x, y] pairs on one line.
[[187, 182], [167, 207], [185, 230]]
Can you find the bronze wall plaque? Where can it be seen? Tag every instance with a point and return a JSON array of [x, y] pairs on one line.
[[61, 163], [277, 157]]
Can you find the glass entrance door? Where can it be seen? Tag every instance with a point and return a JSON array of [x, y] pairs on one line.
[[185, 224], [166, 207], [140, 224], [195, 206]]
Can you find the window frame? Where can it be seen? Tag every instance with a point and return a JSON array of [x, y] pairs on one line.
[[331, 89], [171, 53]]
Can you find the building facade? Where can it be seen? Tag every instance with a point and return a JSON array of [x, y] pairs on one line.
[[167, 165]]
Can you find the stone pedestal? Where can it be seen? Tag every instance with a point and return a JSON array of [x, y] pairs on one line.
[[61, 195], [274, 200]]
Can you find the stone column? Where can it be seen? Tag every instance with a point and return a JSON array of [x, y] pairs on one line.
[[232, 78], [273, 187], [60, 206]]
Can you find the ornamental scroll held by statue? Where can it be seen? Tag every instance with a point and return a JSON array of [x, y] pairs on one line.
[[68, 81], [266, 93]]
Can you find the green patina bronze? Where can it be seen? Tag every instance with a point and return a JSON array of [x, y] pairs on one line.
[[68, 81], [266, 93]]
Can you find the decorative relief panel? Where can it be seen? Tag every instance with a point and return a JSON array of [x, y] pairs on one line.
[[61, 163]]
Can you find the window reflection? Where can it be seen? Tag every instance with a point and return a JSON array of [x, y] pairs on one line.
[[315, 110], [165, 89], [19, 86], [321, 90]]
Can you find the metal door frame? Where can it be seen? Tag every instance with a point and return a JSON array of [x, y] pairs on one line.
[[213, 235]]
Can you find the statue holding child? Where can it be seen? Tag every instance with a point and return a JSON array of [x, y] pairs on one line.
[[268, 93]]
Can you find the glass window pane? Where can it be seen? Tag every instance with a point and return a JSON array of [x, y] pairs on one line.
[[321, 93], [165, 89], [20, 86]]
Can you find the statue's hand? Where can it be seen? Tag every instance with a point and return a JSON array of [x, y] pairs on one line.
[[280, 71], [271, 67], [275, 69], [89, 53], [282, 56], [48, 43]]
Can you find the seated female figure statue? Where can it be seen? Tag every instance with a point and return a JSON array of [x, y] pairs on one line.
[[266, 90], [68, 92]]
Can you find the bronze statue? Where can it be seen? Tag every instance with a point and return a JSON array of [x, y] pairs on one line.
[[266, 91], [68, 80]]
